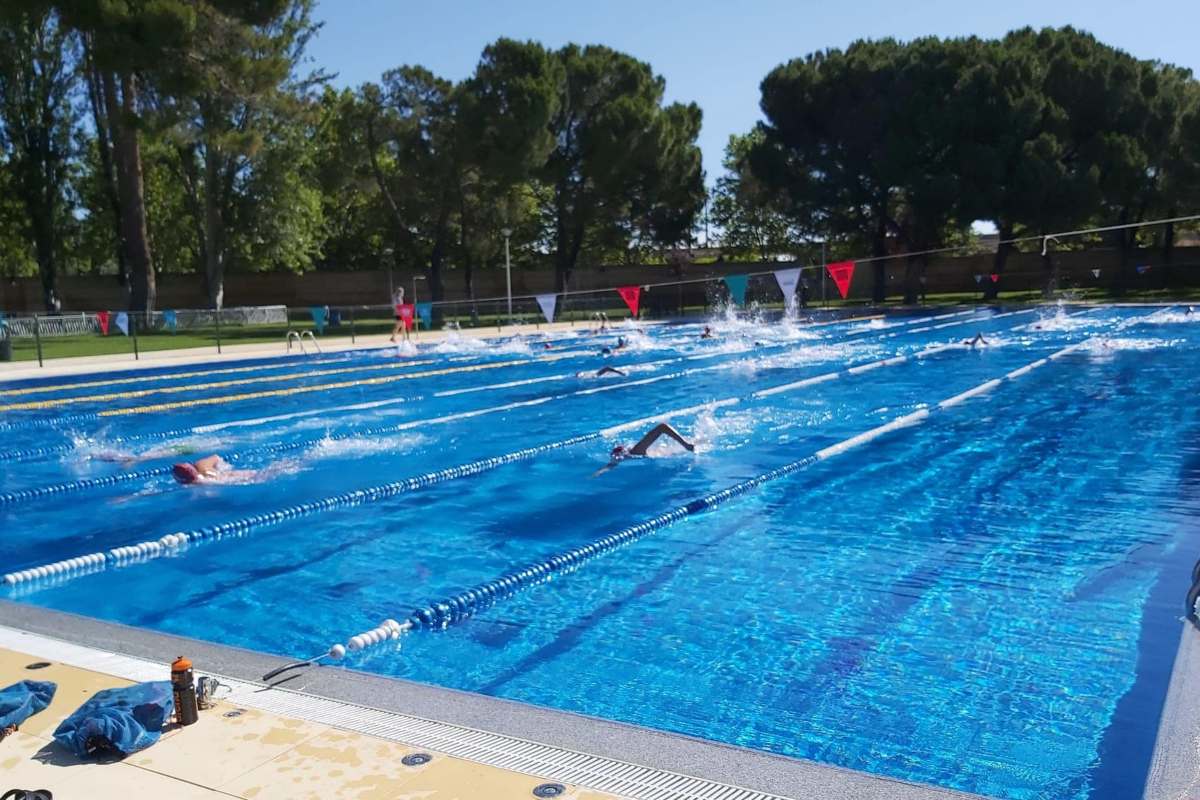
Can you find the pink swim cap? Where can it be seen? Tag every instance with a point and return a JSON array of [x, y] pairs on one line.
[[185, 473]]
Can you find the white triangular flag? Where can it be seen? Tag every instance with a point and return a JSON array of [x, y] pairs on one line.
[[122, 322], [979, 279], [1095, 273], [548, 303], [787, 280]]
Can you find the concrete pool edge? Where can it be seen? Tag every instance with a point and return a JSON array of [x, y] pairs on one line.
[[671, 754], [1175, 769]]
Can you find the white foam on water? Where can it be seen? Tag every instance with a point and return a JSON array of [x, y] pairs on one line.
[[1101, 348], [456, 343], [720, 431], [365, 445], [1166, 316], [1062, 321]]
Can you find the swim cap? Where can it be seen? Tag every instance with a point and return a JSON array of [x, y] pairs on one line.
[[185, 473], [619, 452]]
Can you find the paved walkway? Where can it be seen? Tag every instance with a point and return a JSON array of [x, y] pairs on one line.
[[158, 359], [235, 752]]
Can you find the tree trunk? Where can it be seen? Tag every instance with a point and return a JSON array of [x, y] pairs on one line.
[[131, 191], [438, 254], [991, 289], [1168, 252], [913, 271], [100, 119], [214, 228], [1049, 270], [880, 251]]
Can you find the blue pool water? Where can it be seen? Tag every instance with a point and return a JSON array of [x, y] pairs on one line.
[[987, 600]]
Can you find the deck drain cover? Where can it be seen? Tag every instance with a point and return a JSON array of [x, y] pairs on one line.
[[416, 759], [549, 790], [38, 665]]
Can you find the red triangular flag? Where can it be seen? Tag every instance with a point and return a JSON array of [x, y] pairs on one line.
[[102, 318], [995, 277], [632, 296], [842, 273]]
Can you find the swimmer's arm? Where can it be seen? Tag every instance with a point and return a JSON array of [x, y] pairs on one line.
[[660, 430], [605, 468]]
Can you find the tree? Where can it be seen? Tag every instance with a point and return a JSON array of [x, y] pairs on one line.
[[607, 181], [827, 148], [231, 113], [745, 209], [37, 124], [137, 48]]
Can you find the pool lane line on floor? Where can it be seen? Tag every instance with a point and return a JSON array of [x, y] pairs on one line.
[[47, 450], [23, 495], [173, 542], [440, 615]]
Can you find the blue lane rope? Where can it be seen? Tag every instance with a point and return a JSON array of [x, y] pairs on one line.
[[239, 527]]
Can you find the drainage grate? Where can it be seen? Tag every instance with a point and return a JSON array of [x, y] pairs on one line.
[[631, 781]]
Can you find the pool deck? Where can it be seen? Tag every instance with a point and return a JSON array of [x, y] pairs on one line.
[[1175, 770], [232, 353], [499, 748]]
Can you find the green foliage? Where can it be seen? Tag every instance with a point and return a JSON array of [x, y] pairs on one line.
[[900, 147]]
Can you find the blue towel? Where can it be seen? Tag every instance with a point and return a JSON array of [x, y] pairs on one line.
[[22, 700], [127, 720]]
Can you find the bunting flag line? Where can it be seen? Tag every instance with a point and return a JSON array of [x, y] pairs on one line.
[[547, 302], [425, 314], [737, 288], [995, 277], [122, 322], [842, 273], [102, 318], [170, 320], [318, 315], [1095, 273], [405, 310], [978, 279], [632, 296], [787, 280], [1143, 269]]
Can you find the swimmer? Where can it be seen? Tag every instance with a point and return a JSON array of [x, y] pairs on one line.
[[214, 469], [1190, 310], [600, 373], [978, 340], [707, 333], [621, 452]]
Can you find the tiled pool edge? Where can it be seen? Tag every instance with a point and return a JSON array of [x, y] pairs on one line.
[[757, 774], [1175, 770]]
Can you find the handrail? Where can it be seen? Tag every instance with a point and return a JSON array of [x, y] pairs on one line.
[[299, 342], [312, 337]]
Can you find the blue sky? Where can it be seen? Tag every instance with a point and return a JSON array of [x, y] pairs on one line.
[[715, 53]]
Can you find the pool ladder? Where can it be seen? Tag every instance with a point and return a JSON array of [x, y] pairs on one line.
[[299, 339]]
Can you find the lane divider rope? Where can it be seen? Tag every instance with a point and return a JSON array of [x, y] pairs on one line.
[[446, 612], [31, 453], [167, 543]]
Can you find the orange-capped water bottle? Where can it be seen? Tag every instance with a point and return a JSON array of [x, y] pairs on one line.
[[183, 686]]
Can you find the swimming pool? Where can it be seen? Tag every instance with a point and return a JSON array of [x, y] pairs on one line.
[[984, 598]]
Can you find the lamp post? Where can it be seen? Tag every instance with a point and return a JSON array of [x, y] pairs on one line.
[[416, 317], [507, 232], [389, 254]]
